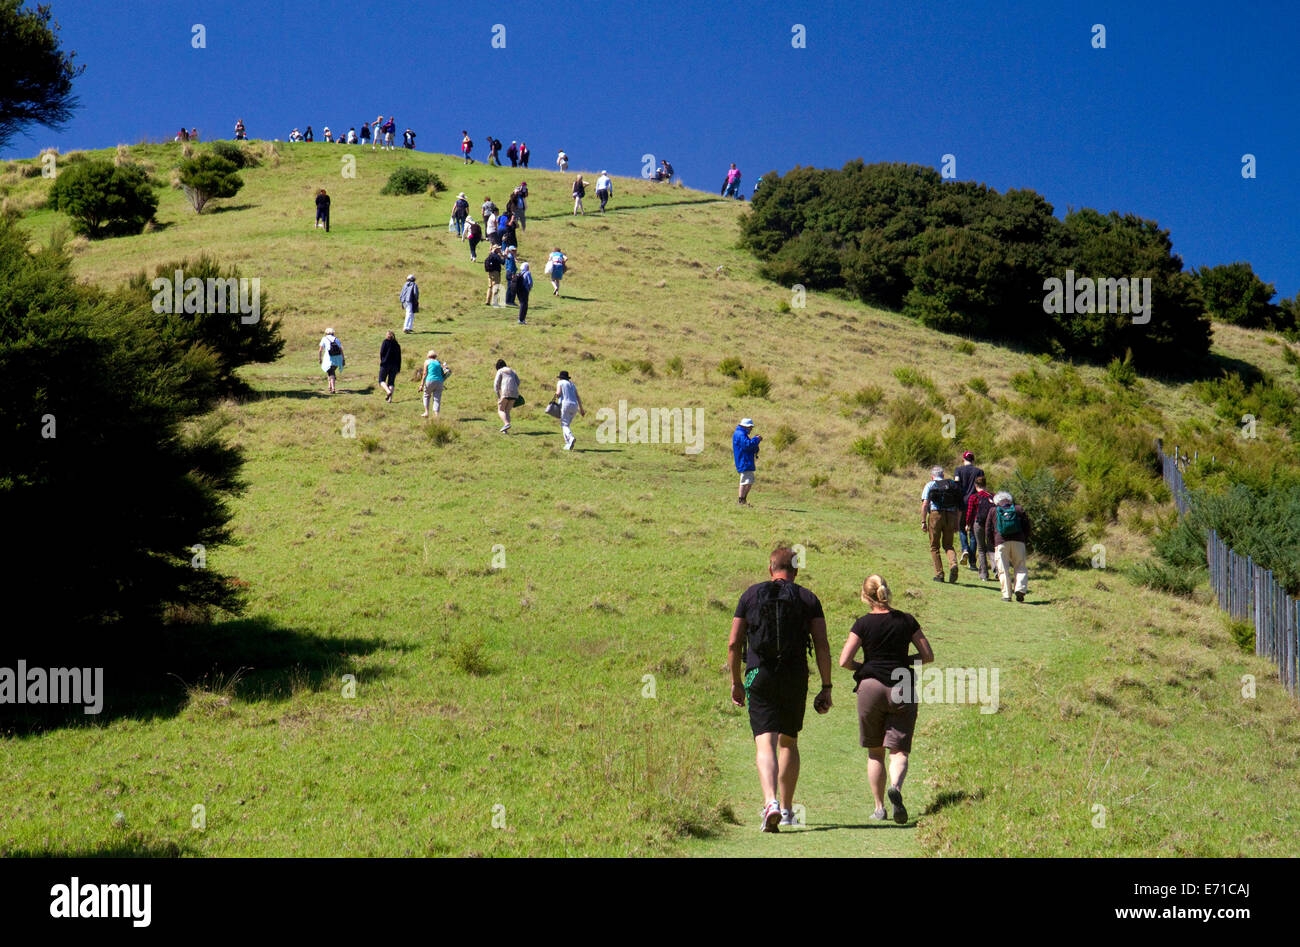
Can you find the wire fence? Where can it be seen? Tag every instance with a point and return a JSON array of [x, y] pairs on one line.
[[1245, 590]]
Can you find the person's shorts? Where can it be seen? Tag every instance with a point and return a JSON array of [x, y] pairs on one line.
[[776, 701], [506, 404], [387, 376], [494, 276], [882, 722], [494, 238], [747, 478]]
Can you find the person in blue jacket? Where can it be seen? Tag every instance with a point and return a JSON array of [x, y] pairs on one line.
[[745, 449]]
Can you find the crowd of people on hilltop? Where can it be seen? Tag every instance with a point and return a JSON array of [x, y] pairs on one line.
[[518, 153], [379, 135]]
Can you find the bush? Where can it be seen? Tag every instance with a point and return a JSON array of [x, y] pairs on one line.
[[207, 177], [620, 367], [440, 433], [731, 367], [1166, 578], [1233, 293], [911, 437], [467, 655], [752, 384], [239, 157], [127, 419], [979, 386], [868, 397], [104, 199], [784, 437], [965, 347], [1049, 503], [646, 367], [412, 180], [674, 366], [1122, 373]]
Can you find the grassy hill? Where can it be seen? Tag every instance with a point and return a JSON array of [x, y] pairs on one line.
[[506, 711]]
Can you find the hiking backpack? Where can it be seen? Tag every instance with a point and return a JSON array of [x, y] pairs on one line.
[[492, 264], [945, 496], [1008, 521], [782, 628], [335, 348], [982, 507]]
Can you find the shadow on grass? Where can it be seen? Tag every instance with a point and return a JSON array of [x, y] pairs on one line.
[[151, 674], [227, 208], [129, 848], [299, 394], [911, 824], [952, 797]]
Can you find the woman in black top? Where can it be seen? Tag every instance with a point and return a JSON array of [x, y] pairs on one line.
[[887, 696], [323, 210], [390, 363]]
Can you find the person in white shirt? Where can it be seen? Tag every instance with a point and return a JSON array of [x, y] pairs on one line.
[[604, 189], [330, 362], [566, 393], [506, 386], [562, 161]]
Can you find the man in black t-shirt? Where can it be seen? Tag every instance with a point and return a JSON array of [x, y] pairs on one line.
[[767, 651], [965, 475]]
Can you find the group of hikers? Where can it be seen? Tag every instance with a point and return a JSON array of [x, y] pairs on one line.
[[378, 135], [517, 153], [776, 625]]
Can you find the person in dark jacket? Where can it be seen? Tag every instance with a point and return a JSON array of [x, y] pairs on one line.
[[390, 363], [513, 154], [323, 210], [977, 513], [459, 211], [745, 450], [523, 286], [965, 475], [410, 300], [1011, 529]]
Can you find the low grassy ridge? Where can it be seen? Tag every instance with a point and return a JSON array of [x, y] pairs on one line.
[[506, 609]]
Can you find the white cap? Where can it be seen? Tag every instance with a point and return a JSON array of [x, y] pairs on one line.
[[746, 422]]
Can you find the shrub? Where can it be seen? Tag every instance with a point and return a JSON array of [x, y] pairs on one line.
[[784, 437], [440, 433], [752, 384], [1163, 577], [868, 397], [207, 177], [620, 367], [409, 179], [1242, 632], [239, 157], [646, 367], [731, 367], [818, 480], [979, 386], [674, 366], [467, 655], [104, 199], [965, 347], [1049, 503], [369, 444], [1122, 373]]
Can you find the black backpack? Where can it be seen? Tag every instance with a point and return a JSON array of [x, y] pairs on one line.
[[492, 264], [945, 496], [781, 631], [335, 348]]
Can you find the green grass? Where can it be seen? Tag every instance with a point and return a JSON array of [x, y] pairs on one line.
[[505, 607]]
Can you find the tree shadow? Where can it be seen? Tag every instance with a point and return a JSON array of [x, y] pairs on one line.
[[301, 394], [227, 208], [136, 848], [153, 673]]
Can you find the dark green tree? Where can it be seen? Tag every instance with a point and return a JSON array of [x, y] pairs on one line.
[[104, 199], [35, 74], [1233, 293], [206, 177]]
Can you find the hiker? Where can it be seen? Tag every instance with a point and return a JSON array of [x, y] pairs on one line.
[[194, 133], [435, 376], [309, 135], [664, 172], [579, 192], [508, 228], [775, 625], [520, 197], [1011, 529], [745, 449], [506, 386], [940, 517], [562, 161], [410, 299], [555, 265], [492, 227], [732, 182], [886, 689], [494, 147], [466, 146], [352, 136], [524, 154], [390, 363], [473, 233], [323, 210], [492, 265], [294, 135], [331, 356], [510, 266], [365, 134], [408, 139], [377, 132], [977, 513], [965, 474], [459, 211], [566, 393], [523, 286], [328, 138], [239, 130], [604, 189], [513, 154], [390, 127]]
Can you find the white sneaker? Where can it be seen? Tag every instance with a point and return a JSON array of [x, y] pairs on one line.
[[771, 817], [506, 428], [787, 818]]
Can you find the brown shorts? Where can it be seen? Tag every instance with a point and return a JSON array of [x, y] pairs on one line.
[[505, 404], [882, 723]]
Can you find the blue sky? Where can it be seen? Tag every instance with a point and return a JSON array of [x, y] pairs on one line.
[[1155, 124]]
